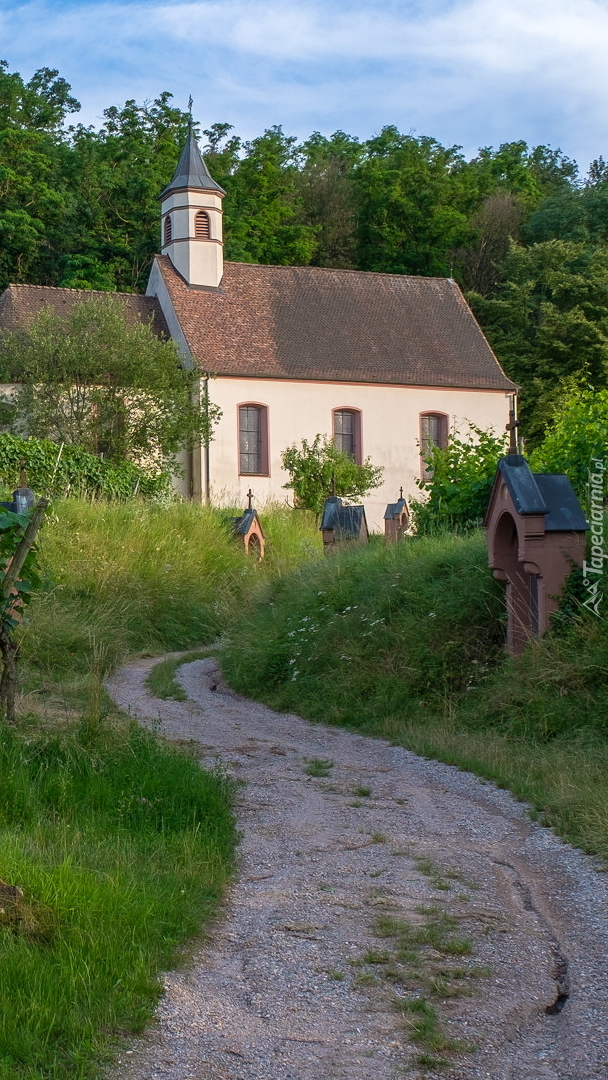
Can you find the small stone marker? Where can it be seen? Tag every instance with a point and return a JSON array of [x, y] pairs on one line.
[[535, 532], [342, 525], [248, 527], [396, 519]]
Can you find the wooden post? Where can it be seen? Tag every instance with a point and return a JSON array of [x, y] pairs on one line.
[[8, 647]]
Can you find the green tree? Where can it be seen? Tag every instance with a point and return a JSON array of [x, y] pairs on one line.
[[263, 210], [95, 379], [325, 180], [578, 433], [35, 200], [317, 468], [412, 209], [549, 321], [462, 476]]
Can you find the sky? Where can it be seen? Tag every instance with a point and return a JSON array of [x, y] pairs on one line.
[[470, 73]]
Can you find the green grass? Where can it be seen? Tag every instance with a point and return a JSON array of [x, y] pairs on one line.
[[405, 643], [318, 766], [121, 845], [418, 972], [122, 579], [123, 848], [161, 679]]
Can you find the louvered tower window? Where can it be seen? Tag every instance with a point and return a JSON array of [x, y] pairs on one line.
[[168, 229], [202, 227]]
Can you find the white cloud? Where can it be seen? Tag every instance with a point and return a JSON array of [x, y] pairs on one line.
[[470, 71]]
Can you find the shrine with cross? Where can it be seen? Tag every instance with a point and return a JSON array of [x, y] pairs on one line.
[[396, 519], [248, 528], [535, 531]]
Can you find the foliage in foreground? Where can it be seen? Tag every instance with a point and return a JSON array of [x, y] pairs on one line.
[[56, 470], [93, 377], [122, 578], [383, 629], [406, 643], [122, 848], [319, 468], [461, 482]]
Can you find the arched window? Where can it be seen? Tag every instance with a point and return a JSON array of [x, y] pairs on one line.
[[168, 229], [253, 440], [202, 226], [433, 432], [347, 432]]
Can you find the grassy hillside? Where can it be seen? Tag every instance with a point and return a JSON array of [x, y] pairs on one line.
[[121, 845], [406, 643]]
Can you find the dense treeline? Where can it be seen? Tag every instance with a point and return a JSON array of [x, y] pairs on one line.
[[526, 238]]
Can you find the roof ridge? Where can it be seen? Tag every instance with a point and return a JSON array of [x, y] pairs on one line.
[[345, 270], [71, 289]]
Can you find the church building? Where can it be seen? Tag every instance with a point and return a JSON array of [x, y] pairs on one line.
[[383, 363]]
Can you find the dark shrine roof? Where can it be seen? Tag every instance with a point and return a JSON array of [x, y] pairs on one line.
[[191, 171], [395, 509], [304, 322], [19, 304], [243, 524], [346, 521], [565, 513], [550, 494]]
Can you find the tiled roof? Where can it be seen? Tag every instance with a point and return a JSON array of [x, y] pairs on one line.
[[20, 303], [301, 322]]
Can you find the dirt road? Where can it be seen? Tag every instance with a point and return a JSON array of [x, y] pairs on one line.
[[344, 837]]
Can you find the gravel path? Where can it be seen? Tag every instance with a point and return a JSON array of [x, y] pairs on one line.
[[281, 993]]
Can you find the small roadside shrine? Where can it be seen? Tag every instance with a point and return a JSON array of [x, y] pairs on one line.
[[342, 525], [396, 519], [248, 528], [535, 530]]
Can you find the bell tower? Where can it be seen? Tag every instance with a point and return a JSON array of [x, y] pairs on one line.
[[191, 220]]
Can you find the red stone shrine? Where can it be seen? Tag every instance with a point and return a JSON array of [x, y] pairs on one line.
[[396, 519], [247, 528], [535, 533]]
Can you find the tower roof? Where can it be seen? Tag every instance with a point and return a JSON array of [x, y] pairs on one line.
[[191, 171]]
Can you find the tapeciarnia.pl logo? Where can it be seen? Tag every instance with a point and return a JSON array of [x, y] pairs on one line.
[[593, 571]]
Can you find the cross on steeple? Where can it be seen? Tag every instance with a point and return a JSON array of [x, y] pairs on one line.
[[190, 104]]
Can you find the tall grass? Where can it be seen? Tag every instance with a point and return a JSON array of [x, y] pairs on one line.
[[406, 643], [136, 577], [122, 848]]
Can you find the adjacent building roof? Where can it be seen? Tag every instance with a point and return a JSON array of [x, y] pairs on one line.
[[191, 171], [20, 303], [303, 322]]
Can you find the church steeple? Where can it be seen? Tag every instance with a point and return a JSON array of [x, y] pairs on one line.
[[191, 211]]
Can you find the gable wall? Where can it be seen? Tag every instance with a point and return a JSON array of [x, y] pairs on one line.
[[297, 410]]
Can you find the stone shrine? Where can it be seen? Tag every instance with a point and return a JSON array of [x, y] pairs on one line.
[[535, 530], [342, 525]]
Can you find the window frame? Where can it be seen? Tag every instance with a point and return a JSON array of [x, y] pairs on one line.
[[356, 414], [424, 440], [167, 230], [263, 455]]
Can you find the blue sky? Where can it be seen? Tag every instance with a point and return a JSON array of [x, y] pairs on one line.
[[467, 72]]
